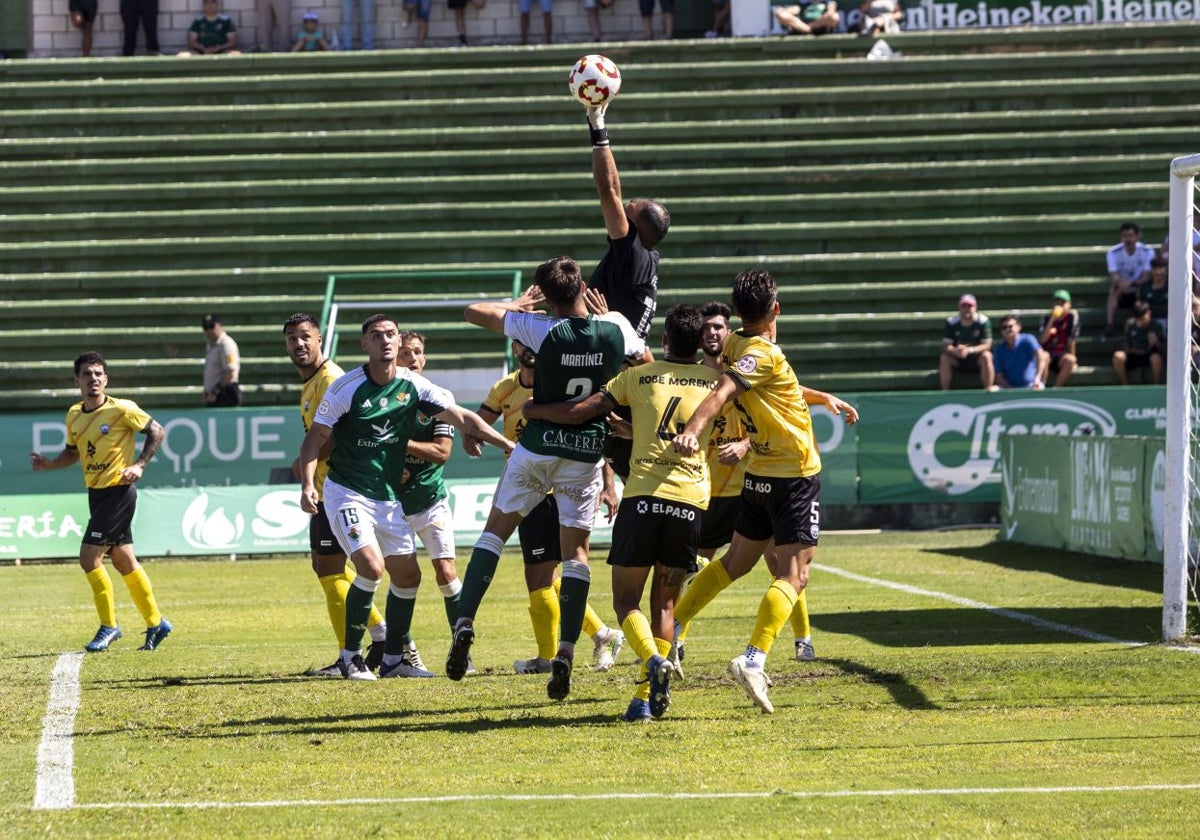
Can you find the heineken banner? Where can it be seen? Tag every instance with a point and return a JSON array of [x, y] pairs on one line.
[[246, 520], [1093, 495], [932, 446], [982, 14]]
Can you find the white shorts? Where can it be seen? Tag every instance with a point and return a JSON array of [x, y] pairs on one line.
[[528, 477], [358, 522], [435, 527]]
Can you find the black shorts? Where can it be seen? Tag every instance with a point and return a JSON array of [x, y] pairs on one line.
[[1126, 300], [788, 509], [1137, 361], [646, 7], [111, 520], [717, 527], [87, 10], [967, 364], [538, 533], [228, 396], [650, 530], [321, 538], [457, 4]]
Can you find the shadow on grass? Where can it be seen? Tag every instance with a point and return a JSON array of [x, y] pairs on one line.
[[1082, 568], [965, 627]]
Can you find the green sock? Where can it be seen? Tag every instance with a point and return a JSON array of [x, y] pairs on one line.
[[485, 559], [399, 615], [573, 599], [358, 611]]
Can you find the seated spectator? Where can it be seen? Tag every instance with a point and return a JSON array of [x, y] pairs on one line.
[[310, 38], [811, 17], [1020, 361], [1128, 265], [880, 17], [83, 15], [211, 33], [1060, 330], [966, 344], [1154, 293], [1144, 346]]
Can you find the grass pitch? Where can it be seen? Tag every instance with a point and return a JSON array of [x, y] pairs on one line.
[[960, 691]]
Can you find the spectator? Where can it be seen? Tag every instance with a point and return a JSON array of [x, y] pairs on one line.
[[668, 18], [1144, 346], [720, 19], [83, 15], [966, 345], [811, 17], [1128, 267], [1060, 329], [272, 15], [366, 23], [421, 8], [1020, 361], [525, 7], [211, 33], [311, 37], [1154, 293], [593, 7], [880, 17], [222, 364], [459, 7], [145, 12]]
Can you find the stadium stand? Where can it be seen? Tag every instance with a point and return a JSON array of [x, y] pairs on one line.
[[138, 195]]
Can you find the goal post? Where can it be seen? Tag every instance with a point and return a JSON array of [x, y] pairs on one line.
[[1179, 524]]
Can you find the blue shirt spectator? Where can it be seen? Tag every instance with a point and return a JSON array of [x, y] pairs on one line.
[[1018, 357]]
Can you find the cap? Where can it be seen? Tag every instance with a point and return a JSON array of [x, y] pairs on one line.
[[967, 299], [311, 16], [209, 320], [1063, 295]]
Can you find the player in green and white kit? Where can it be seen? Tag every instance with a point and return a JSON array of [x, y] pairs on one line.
[[576, 354], [368, 415]]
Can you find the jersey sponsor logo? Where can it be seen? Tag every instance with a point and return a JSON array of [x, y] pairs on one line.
[[673, 511], [758, 486], [747, 364], [97, 468], [572, 441]]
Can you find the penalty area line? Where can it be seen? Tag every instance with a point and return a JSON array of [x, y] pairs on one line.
[[586, 797]]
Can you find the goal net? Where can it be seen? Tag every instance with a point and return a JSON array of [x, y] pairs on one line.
[[1182, 503]]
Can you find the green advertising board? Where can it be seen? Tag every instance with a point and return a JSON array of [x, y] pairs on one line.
[[982, 14], [1092, 495]]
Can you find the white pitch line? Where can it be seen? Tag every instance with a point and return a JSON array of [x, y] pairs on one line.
[[56, 754], [558, 797], [1025, 618]]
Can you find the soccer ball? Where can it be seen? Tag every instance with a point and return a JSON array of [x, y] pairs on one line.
[[594, 80]]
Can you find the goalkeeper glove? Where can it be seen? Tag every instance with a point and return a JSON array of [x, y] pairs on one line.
[[595, 117]]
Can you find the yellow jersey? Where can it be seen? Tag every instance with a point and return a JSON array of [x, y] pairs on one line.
[[310, 398], [104, 438], [662, 396], [772, 408], [506, 398], [725, 479]]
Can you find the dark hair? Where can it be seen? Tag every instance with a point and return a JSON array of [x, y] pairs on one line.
[[652, 221], [1010, 319], [298, 319], [754, 293], [375, 319], [88, 359], [1131, 226], [1140, 308], [715, 307], [560, 280], [409, 335], [684, 328]]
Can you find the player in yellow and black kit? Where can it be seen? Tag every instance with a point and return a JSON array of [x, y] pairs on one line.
[[100, 432], [658, 522], [302, 336], [781, 491]]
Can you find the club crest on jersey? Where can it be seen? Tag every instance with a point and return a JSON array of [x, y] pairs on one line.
[[105, 428], [402, 399], [423, 420], [323, 408], [747, 364]]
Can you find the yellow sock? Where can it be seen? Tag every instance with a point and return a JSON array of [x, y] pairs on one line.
[[138, 583], [704, 587], [773, 612], [335, 587], [102, 596], [800, 625], [376, 617], [641, 641], [544, 614]]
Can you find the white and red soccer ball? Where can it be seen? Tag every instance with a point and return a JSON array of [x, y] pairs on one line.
[[594, 80]]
